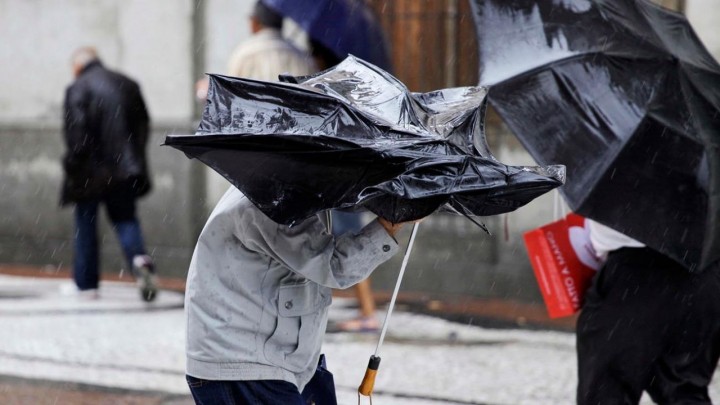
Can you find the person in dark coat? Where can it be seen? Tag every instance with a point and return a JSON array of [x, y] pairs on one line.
[[106, 132], [647, 324]]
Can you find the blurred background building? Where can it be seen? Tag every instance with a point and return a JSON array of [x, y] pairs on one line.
[[167, 45]]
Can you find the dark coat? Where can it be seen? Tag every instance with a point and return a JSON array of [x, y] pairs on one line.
[[106, 131]]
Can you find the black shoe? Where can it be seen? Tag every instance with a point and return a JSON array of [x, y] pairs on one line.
[[146, 278]]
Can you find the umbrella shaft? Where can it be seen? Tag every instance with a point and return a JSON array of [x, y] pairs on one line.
[[397, 288]]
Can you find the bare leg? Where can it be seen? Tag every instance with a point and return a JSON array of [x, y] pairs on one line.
[[366, 321], [365, 298]]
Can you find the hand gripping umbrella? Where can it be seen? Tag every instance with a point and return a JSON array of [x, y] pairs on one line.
[[625, 95], [353, 136]]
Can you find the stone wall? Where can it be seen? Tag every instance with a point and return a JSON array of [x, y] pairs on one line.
[[148, 40], [34, 229]]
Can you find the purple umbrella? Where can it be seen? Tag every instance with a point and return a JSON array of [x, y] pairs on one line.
[[343, 26]]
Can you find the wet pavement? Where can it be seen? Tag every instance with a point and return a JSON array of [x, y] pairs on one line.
[[19, 391], [63, 349]]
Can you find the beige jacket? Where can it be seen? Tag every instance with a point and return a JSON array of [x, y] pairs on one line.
[[266, 55]]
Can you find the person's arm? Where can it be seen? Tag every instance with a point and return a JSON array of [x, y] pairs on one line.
[[309, 250], [78, 138], [141, 118], [75, 128]]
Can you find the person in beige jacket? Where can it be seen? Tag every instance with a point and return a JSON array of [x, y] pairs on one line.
[[266, 54]]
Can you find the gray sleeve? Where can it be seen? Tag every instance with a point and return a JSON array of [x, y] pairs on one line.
[[309, 250]]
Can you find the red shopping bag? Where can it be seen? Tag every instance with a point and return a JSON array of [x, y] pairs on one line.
[[564, 263]]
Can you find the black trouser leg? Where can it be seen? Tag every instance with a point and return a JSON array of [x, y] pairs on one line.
[[642, 313]]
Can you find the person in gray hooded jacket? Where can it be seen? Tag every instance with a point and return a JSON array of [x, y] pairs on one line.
[[257, 298]]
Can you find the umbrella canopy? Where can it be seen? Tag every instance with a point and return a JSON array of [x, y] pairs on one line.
[[344, 26], [354, 135], [625, 95]]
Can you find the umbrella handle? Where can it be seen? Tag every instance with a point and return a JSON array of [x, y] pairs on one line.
[[368, 382], [391, 306]]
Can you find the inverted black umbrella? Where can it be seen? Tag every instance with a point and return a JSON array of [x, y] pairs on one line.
[[625, 95], [354, 136]]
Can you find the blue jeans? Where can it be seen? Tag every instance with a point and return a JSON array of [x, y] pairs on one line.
[[260, 392], [120, 207], [345, 222]]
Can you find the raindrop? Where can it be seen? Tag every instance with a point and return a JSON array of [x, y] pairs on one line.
[[684, 235]]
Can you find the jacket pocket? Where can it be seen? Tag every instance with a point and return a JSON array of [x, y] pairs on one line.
[[298, 332]]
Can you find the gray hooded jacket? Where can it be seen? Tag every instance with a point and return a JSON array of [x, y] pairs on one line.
[[257, 292]]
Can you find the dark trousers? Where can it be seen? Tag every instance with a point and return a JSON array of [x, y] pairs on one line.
[[647, 324], [320, 390], [120, 206], [260, 392]]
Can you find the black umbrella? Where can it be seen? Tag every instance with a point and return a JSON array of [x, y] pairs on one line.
[[625, 95], [353, 135]]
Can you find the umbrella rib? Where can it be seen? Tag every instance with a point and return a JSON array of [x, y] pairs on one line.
[[466, 215], [284, 85], [680, 16]]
